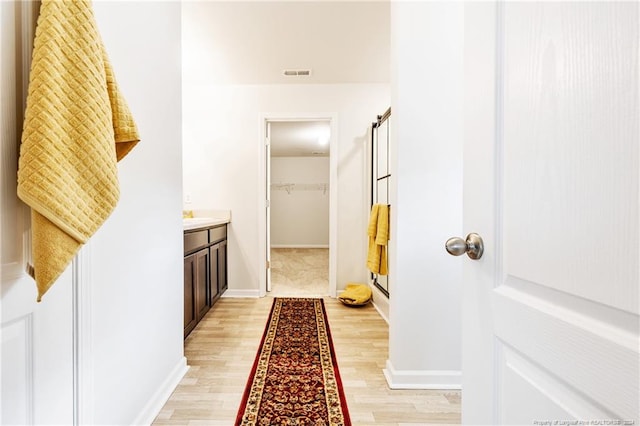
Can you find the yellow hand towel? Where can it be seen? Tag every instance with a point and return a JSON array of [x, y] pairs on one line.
[[382, 230], [378, 232], [373, 221], [77, 126]]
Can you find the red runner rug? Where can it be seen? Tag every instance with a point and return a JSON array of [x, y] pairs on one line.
[[295, 378]]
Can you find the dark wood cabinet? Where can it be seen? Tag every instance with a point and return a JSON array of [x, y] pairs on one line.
[[190, 317], [202, 283], [205, 272], [217, 263], [218, 270]]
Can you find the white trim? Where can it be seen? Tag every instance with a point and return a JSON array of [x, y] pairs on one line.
[[262, 219], [380, 302], [422, 379], [333, 207], [157, 401], [267, 175], [333, 194], [15, 268], [299, 246], [83, 392], [242, 293]]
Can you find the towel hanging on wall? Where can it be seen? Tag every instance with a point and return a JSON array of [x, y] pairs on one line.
[[378, 232], [77, 126]]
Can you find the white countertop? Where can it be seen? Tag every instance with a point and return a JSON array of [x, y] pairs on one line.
[[189, 224], [214, 218]]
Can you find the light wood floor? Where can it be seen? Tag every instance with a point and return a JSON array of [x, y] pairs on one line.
[[221, 350]]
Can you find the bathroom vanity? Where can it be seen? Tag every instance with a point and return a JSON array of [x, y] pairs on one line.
[[205, 267]]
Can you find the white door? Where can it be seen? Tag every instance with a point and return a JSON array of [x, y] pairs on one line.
[[550, 326], [37, 370]]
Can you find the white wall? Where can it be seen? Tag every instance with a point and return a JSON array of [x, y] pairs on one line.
[[221, 159], [299, 213], [425, 327], [136, 257]]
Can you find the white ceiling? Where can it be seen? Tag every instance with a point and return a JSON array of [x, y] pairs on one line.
[[239, 42]]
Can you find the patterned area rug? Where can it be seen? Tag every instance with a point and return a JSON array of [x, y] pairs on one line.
[[295, 378]]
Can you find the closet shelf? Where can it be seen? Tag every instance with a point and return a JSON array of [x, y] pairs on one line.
[[289, 187]]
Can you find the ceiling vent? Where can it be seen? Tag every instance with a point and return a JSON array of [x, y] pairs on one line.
[[294, 73]]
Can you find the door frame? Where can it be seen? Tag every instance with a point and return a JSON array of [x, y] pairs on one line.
[[332, 118]]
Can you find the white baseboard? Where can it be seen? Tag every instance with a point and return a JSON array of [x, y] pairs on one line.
[[157, 401], [422, 379], [299, 245], [241, 293], [380, 302]]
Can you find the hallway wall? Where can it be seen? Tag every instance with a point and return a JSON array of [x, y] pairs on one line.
[[136, 257], [425, 307]]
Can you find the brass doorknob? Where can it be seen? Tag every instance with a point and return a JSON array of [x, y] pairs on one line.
[[473, 246]]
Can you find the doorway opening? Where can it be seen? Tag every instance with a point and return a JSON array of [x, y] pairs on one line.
[[298, 225]]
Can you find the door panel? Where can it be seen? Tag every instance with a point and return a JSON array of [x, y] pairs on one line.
[[589, 356], [202, 283], [190, 317], [551, 184], [17, 352], [570, 83], [545, 392]]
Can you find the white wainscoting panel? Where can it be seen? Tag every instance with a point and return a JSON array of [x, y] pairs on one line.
[[17, 352]]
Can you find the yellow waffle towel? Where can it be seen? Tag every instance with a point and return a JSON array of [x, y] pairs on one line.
[[355, 294], [378, 232], [77, 126]]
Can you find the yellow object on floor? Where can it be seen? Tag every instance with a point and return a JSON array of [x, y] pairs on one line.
[[355, 294], [77, 126], [378, 232]]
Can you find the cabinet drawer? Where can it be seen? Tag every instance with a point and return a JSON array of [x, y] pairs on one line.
[[195, 240], [217, 234]]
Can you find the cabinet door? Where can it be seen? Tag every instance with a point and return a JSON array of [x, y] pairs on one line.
[[201, 283], [222, 267], [214, 253], [190, 318]]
